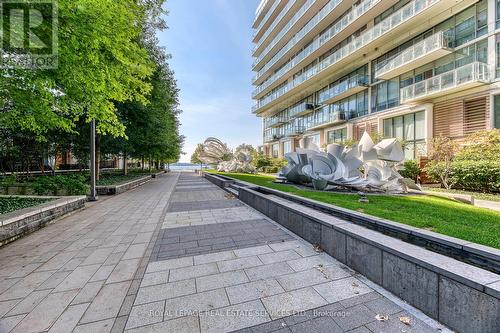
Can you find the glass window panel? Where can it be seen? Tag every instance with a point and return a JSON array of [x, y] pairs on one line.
[[409, 127], [393, 93], [398, 127], [497, 112], [465, 26], [388, 128], [410, 151], [420, 125]]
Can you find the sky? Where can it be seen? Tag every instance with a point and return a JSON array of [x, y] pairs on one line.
[[210, 42]]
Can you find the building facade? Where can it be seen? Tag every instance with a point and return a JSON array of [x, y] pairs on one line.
[[328, 70]]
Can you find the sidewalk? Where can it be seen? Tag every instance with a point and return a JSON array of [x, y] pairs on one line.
[[180, 255]]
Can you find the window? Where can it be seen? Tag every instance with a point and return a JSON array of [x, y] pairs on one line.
[[337, 136], [314, 139], [287, 147], [385, 95], [496, 112], [411, 129], [275, 149]]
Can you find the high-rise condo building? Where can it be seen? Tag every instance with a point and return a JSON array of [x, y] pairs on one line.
[[327, 71]]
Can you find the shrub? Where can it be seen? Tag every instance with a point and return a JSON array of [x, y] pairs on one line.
[[483, 176], [411, 170], [276, 165], [48, 185], [483, 145]]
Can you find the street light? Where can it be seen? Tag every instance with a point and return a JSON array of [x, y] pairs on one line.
[[93, 191]]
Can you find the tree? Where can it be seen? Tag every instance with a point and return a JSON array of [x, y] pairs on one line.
[[441, 153], [195, 157]]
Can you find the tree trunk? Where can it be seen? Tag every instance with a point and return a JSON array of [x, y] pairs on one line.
[[142, 163], [125, 163], [97, 156]]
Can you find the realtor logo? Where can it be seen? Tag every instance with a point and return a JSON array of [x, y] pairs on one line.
[[28, 34]]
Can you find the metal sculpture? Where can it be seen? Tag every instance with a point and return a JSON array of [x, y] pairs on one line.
[[364, 166], [215, 152]]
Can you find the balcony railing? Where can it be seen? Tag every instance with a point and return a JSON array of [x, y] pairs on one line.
[[276, 121], [425, 51], [461, 78], [345, 88], [294, 131], [326, 36], [268, 14], [330, 118], [405, 13], [300, 109], [287, 27]]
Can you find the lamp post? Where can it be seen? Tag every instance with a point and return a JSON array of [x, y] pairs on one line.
[[93, 191]]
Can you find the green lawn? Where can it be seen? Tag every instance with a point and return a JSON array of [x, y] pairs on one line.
[[476, 195], [10, 204], [434, 213]]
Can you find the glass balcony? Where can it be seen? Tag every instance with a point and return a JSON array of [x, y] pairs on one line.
[[294, 131], [286, 27], [300, 110], [424, 52], [405, 13], [344, 89], [326, 36], [326, 119], [276, 121], [268, 14], [465, 77]]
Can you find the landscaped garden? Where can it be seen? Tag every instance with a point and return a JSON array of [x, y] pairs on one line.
[[110, 179], [10, 204], [433, 213]]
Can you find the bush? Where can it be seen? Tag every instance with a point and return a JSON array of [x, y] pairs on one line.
[[411, 170], [482, 145], [48, 185], [276, 165], [483, 176]]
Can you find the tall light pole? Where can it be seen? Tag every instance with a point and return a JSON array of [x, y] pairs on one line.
[[93, 191]]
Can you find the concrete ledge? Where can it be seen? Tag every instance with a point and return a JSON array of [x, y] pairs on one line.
[[24, 221], [459, 295], [117, 189]]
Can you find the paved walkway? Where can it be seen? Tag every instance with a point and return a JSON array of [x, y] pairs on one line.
[[180, 255]]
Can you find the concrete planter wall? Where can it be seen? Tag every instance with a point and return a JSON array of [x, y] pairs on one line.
[[462, 296], [21, 222]]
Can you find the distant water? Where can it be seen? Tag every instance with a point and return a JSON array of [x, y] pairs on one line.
[[187, 166]]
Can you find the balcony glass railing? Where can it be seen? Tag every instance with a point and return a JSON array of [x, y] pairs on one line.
[[264, 20], [420, 49], [273, 121], [295, 130], [299, 108], [327, 35], [325, 118], [286, 27], [473, 72], [405, 13], [344, 86]]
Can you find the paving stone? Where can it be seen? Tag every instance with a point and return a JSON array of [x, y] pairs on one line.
[[253, 290], [151, 279], [165, 291], [291, 302], [26, 285], [29, 303], [192, 272], [383, 306], [88, 292], [146, 314], [185, 324], [123, 271], [6, 306], [302, 279], [107, 303], [341, 289], [356, 316], [253, 251], [234, 317], [103, 326], [317, 325], [169, 264], [213, 257], [8, 323], [46, 312], [220, 280], [78, 278], [135, 251], [236, 264], [102, 273], [69, 318], [193, 304], [303, 264], [268, 271], [270, 258]]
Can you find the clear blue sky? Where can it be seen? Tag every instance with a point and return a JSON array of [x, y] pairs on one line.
[[210, 43]]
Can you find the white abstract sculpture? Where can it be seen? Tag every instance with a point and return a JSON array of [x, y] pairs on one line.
[[364, 166], [215, 152]]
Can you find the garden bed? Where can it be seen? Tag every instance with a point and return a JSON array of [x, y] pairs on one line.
[[438, 214], [12, 203]]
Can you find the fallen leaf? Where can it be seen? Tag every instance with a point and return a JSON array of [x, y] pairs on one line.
[[229, 196], [405, 320], [354, 284], [317, 248], [380, 317]]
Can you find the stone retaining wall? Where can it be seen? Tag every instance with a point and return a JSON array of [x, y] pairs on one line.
[[24, 221], [117, 189]]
